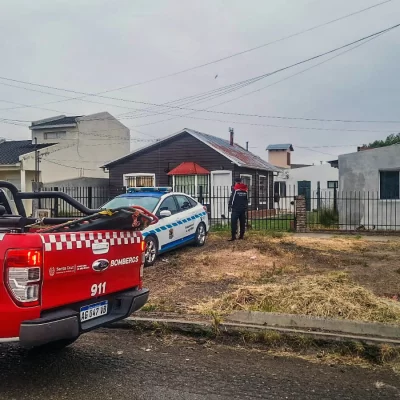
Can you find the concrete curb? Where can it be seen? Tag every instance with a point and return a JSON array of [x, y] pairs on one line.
[[229, 327], [315, 323]]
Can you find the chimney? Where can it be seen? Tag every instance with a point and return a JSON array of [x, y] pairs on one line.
[[231, 136], [362, 148]]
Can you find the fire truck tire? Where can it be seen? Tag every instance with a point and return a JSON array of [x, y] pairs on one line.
[[151, 250]]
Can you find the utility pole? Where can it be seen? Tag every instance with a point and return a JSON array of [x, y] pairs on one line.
[[36, 162], [36, 187], [247, 146]]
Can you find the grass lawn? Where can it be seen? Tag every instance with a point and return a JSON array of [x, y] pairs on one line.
[[336, 277]]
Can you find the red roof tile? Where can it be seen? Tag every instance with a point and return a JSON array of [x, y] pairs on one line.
[[189, 168]]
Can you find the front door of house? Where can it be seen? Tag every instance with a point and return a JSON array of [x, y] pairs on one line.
[[221, 183], [304, 189]]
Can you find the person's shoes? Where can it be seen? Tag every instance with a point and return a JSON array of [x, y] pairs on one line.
[[241, 238], [231, 239]]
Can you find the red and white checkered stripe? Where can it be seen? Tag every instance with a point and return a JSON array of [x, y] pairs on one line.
[[84, 240]]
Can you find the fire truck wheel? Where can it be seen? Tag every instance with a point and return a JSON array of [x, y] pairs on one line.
[[150, 251]]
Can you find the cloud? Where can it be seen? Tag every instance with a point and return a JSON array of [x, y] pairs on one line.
[[100, 45]]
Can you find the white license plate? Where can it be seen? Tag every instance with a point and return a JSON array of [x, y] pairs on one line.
[[94, 311]]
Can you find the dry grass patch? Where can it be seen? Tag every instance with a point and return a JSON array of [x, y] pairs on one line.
[[331, 295], [285, 274]]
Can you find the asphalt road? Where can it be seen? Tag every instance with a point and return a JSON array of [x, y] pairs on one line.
[[119, 364]]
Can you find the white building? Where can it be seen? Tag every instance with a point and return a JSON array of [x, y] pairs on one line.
[[79, 146], [69, 149], [316, 182], [369, 184]]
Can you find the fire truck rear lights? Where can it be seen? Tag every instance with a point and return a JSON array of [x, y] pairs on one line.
[[23, 275], [24, 258], [23, 283]]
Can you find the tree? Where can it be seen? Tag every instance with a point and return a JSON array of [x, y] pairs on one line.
[[394, 138]]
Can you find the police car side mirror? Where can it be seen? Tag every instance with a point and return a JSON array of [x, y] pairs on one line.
[[165, 213]]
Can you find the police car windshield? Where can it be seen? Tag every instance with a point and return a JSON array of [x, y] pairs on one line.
[[147, 202]]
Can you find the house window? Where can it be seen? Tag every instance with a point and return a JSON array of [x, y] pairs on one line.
[[248, 180], [139, 180], [263, 189], [280, 188], [389, 185], [333, 184], [55, 135], [193, 185]]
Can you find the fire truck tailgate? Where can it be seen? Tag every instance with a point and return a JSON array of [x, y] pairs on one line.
[[89, 265]]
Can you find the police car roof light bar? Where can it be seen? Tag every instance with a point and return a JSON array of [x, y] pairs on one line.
[[149, 189]]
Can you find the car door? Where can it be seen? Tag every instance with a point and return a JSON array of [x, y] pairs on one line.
[[186, 218], [167, 227]]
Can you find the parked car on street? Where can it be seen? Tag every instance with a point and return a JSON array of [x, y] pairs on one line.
[[182, 220]]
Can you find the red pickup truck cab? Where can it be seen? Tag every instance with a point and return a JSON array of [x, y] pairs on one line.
[[56, 286]]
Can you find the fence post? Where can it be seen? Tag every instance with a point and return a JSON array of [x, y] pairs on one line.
[[56, 210], [301, 213], [90, 197]]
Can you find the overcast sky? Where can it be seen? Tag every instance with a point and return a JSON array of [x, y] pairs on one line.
[[94, 45]]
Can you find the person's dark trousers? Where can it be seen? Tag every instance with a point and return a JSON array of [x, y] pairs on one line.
[[235, 217]]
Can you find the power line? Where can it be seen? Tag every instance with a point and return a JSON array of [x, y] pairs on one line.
[[249, 81], [370, 37], [70, 166], [252, 49], [227, 57], [281, 80], [317, 151], [198, 110]]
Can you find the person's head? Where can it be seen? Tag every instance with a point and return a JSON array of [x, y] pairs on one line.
[[238, 180]]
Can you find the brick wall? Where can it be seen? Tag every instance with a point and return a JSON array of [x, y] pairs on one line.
[[301, 214]]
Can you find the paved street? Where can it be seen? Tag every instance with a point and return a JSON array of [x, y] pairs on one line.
[[119, 364]]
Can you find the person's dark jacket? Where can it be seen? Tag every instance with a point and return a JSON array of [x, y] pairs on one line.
[[239, 198]]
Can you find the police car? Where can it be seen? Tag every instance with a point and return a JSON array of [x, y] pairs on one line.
[[182, 220]]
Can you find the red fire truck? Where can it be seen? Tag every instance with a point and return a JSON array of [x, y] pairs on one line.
[[62, 278]]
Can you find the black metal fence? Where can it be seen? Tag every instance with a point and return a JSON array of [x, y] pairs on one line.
[[352, 211], [91, 197], [326, 209], [265, 211]]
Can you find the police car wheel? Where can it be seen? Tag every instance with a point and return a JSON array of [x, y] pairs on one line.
[[150, 251], [201, 234]]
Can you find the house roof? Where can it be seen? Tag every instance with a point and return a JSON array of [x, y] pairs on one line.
[[11, 150], [236, 154], [60, 120], [285, 146], [189, 168]]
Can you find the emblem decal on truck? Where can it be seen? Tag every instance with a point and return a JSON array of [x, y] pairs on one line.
[[100, 265], [52, 271]]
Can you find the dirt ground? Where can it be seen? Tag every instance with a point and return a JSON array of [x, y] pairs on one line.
[[344, 277]]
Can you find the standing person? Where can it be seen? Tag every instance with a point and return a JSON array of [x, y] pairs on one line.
[[238, 203]]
